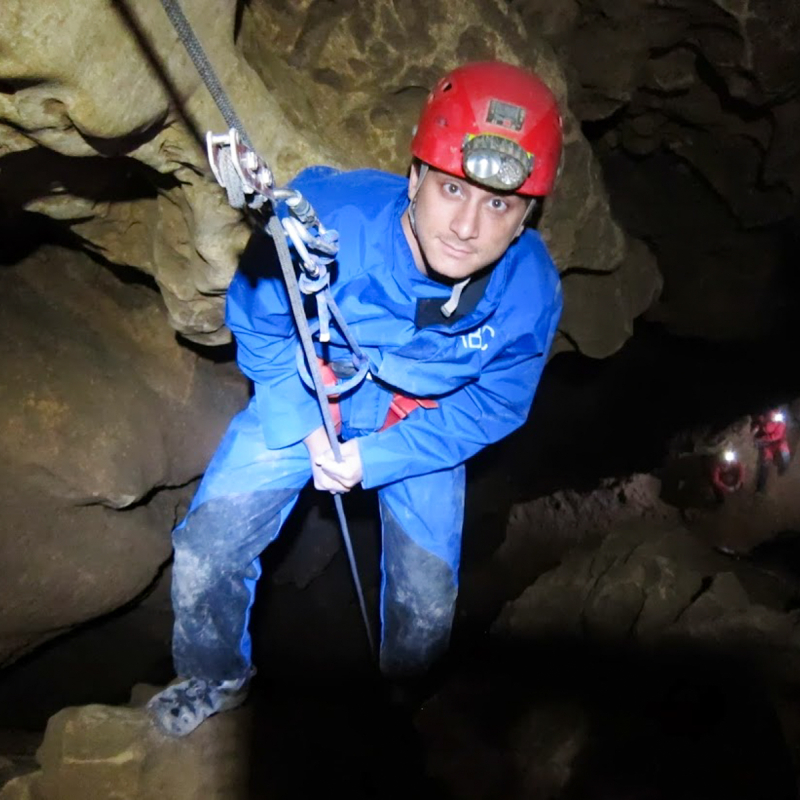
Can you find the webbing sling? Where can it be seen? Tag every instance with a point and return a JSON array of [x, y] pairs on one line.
[[276, 231]]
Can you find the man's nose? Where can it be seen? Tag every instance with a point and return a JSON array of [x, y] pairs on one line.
[[466, 222]]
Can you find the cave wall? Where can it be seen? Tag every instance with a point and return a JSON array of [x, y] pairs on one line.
[[337, 83], [107, 420], [692, 107], [101, 120]]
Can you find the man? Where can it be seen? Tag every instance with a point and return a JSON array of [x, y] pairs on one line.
[[456, 304], [727, 475], [770, 434]]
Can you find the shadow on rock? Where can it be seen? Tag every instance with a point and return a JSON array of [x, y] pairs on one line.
[[575, 720]]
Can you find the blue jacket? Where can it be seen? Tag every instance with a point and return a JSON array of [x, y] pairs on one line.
[[482, 370]]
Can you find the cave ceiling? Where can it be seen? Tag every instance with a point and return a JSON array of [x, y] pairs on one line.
[[692, 107]]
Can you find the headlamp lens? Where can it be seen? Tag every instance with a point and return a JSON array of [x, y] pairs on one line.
[[483, 165], [496, 162]]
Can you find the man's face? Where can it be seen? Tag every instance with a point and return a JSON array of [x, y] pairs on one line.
[[460, 227]]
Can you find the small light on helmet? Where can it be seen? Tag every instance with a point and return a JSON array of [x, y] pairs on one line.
[[483, 165], [729, 456], [777, 416], [496, 162]]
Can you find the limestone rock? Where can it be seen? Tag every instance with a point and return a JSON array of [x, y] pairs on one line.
[[113, 80], [699, 79], [102, 410], [543, 531], [655, 587], [107, 752]]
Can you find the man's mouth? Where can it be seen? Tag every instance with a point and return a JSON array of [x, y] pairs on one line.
[[455, 250]]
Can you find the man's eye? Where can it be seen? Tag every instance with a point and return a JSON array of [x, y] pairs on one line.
[[498, 204], [451, 188]]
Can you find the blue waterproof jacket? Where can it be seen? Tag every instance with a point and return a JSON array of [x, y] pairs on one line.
[[482, 370]]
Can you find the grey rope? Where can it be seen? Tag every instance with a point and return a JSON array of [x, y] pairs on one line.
[[275, 230], [203, 66], [230, 181]]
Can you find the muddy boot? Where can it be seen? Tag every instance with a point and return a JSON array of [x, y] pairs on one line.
[[179, 709]]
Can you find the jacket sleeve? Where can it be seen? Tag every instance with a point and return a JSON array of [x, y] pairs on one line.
[[464, 422], [259, 315]]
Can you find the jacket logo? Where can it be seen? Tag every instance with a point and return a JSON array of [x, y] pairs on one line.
[[477, 339]]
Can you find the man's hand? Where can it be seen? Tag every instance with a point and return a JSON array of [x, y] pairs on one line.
[[330, 475], [325, 483], [347, 472]]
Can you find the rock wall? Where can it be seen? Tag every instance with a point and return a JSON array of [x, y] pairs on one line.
[[693, 106], [106, 420], [102, 115], [100, 109]]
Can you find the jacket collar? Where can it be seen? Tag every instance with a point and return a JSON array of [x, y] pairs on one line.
[[409, 276]]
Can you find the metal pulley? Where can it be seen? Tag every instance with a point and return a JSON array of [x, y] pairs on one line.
[[254, 173]]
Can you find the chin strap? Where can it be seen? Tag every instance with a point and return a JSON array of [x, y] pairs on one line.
[[412, 206], [448, 309]]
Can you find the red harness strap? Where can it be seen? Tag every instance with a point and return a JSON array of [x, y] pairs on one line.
[[400, 407], [329, 379]]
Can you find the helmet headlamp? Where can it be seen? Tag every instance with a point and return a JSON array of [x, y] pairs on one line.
[[496, 162]]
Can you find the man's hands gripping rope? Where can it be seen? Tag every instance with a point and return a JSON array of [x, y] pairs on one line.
[[330, 475]]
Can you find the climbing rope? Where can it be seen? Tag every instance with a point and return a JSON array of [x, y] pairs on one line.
[[248, 181], [203, 66]]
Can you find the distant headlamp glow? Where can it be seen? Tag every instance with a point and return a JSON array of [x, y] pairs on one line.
[[496, 162], [777, 416], [729, 456]]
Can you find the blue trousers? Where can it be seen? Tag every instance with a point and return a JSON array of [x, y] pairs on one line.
[[245, 497]]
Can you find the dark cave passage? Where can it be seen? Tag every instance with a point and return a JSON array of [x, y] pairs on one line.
[[594, 419]]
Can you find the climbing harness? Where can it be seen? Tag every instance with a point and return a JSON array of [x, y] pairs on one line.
[[249, 183]]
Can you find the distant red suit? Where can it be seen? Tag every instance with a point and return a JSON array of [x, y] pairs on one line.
[[769, 431], [727, 476]]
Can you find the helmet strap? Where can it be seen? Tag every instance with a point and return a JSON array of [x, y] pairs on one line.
[[422, 171], [451, 305], [532, 204]]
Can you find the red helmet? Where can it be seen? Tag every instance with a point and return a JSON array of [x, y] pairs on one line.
[[494, 123]]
